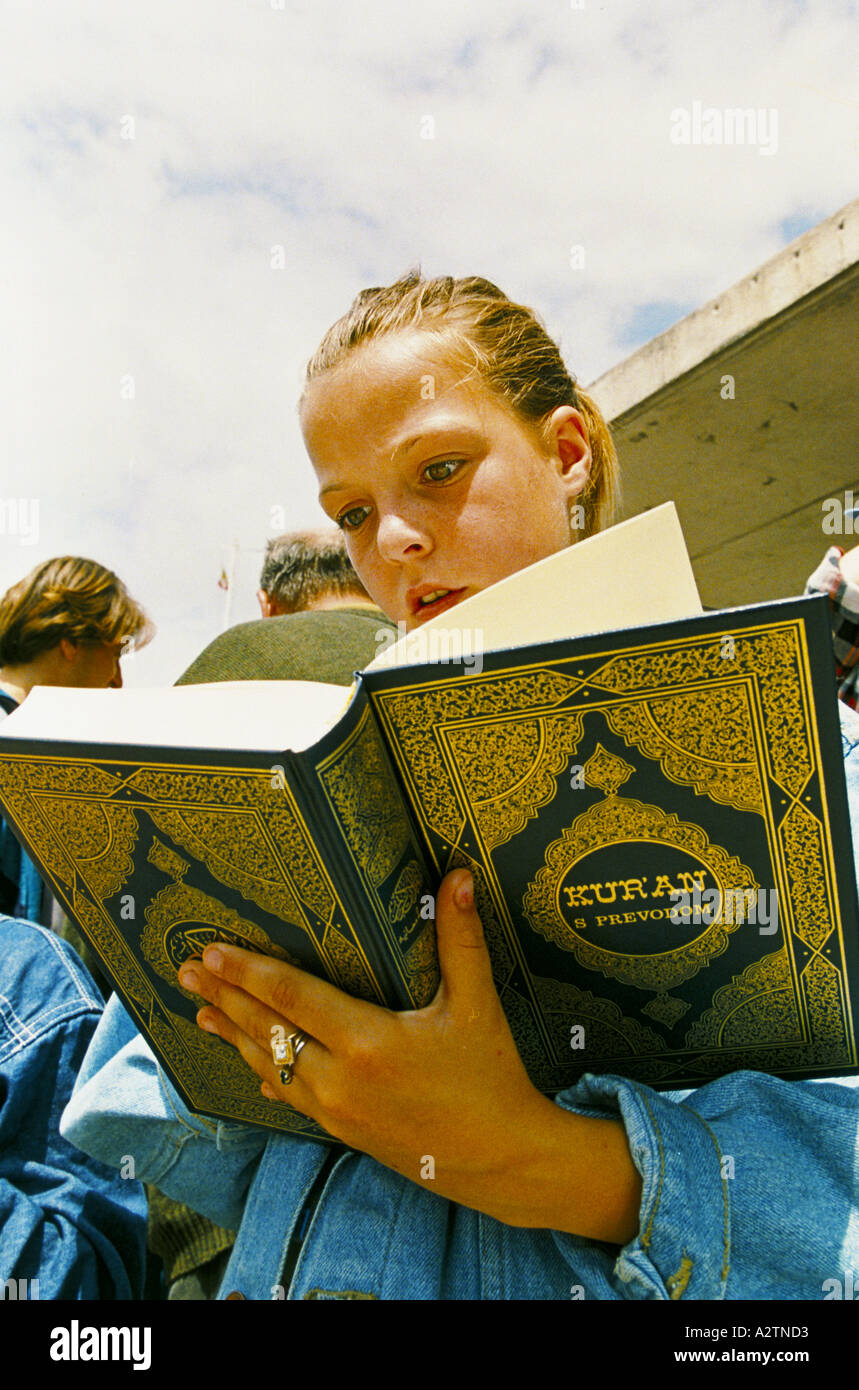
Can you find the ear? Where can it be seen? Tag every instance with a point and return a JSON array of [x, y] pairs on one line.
[[68, 650], [264, 603], [570, 446]]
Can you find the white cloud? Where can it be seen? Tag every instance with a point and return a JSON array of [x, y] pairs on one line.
[[256, 127]]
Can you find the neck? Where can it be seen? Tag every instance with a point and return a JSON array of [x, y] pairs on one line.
[[48, 668], [15, 682], [343, 601]]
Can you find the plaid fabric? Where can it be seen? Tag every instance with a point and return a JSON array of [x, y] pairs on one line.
[[844, 609]]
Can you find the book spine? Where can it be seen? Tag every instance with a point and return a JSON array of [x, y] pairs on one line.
[[364, 909]]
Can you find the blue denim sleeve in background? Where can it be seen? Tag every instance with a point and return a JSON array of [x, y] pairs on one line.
[[68, 1221], [122, 1104]]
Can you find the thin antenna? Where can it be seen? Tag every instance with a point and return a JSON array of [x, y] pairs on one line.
[[230, 585]]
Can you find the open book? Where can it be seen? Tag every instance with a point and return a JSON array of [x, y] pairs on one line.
[[611, 580], [655, 817]]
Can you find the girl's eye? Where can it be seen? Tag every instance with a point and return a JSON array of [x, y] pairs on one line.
[[434, 472], [349, 521]]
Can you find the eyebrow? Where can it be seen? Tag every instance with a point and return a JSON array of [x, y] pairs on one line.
[[442, 428], [401, 448], [406, 445]]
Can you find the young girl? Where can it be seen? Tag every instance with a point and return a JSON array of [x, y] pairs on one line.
[[453, 448]]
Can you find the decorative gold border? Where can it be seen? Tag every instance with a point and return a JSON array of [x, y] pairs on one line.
[[366, 804], [59, 803], [467, 823], [768, 675]]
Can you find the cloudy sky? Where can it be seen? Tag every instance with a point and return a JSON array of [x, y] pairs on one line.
[[192, 190]]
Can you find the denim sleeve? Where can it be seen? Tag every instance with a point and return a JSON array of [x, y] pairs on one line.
[[66, 1221], [123, 1107], [750, 1186]]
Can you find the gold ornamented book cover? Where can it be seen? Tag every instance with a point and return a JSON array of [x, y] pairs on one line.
[[656, 820]]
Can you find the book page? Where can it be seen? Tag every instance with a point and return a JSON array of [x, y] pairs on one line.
[[252, 715], [632, 575]]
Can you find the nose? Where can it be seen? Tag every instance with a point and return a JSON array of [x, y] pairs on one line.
[[401, 536]]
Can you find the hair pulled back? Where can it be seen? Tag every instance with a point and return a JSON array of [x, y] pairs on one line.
[[505, 343]]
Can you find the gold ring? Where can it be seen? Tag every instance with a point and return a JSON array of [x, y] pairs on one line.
[[294, 1043]]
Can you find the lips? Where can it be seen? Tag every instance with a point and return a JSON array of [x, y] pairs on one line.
[[430, 599]]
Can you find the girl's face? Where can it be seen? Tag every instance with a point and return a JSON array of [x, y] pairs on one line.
[[440, 488]]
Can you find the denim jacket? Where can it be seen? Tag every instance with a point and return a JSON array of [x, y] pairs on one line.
[[750, 1188], [70, 1227]]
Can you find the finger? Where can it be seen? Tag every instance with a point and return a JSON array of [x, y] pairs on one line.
[[320, 1009], [299, 1093], [464, 960], [254, 1018]]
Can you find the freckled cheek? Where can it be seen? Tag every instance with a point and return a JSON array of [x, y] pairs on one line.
[[367, 572], [526, 531], [374, 576], [501, 512]]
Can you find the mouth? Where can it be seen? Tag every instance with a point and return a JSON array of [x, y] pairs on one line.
[[427, 602]]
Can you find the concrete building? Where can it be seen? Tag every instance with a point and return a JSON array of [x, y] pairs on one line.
[[746, 414]]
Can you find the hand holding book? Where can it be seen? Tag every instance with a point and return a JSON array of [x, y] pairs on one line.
[[584, 782], [438, 1094]]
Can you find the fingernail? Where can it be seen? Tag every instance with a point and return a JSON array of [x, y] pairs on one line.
[[207, 1024], [213, 960], [464, 894], [188, 977]]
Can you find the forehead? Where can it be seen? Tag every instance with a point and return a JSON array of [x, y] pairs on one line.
[[390, 389]]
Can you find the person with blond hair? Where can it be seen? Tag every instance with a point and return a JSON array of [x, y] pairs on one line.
[[453, 448], [68, 622]]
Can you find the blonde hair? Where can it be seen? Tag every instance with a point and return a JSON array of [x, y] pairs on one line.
[[505, 343], [73, 598]]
